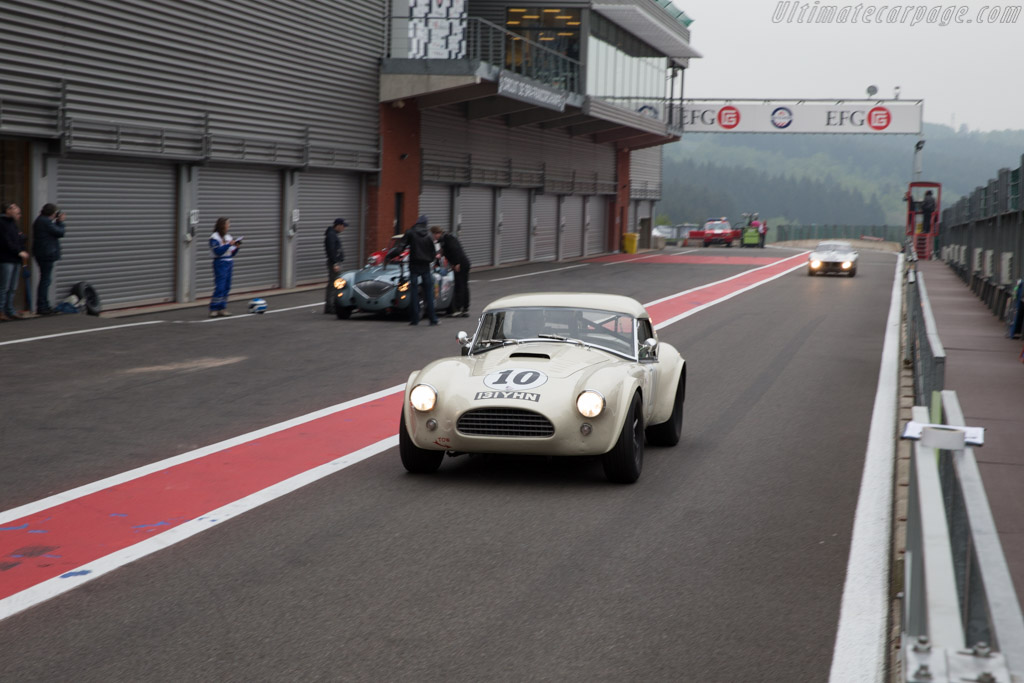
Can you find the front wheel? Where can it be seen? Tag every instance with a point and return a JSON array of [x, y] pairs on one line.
[[668, 432], [343, 312], [853, 271], [415, 459], [622, 464]]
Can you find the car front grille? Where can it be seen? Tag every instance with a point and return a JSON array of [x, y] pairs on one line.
[[510, 422], [374, 289]]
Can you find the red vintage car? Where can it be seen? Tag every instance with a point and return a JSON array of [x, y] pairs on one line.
[[716, 231]]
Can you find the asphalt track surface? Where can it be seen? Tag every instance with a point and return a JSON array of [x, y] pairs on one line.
[[725, 562]]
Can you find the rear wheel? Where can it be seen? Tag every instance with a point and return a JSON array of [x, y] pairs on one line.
[[415, 459], [668, 432], [622, 464]]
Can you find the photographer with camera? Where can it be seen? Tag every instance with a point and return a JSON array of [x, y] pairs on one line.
[[47, 231]]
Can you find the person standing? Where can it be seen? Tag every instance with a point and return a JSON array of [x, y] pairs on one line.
[[421, 258], [47, 231], [335, 255], [762, 232], [223, 247], [12, 257], [927, 209], [452, 250]]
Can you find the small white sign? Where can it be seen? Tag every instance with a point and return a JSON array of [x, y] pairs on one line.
[[937, 435]]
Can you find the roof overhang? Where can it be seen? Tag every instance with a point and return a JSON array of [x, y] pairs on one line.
[[649, 22]]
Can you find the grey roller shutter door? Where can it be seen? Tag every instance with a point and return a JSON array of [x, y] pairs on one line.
[[515, 228], [572, 226], [251, 198], [597, 231], [476, 207], [322, 197], [545, 210], [120, 230], [436, 203]]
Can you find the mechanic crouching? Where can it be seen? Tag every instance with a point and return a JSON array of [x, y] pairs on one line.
[[421, 259]]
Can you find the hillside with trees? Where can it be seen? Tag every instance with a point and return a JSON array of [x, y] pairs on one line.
[[823, 179]]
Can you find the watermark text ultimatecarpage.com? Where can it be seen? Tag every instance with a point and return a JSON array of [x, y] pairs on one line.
[[939, 15]]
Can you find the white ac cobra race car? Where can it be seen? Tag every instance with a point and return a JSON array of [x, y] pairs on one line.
[[554, 374]]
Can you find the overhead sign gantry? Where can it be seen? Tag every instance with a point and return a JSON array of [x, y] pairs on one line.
[[865, 117]]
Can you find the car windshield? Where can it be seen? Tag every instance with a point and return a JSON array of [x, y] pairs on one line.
[[605, 329], [717, 225], [833, 246]]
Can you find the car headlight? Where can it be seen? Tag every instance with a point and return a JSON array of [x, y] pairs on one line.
[[404, 287], [423, 397], [847, 265], [340, 283], [815, 264], [590, 403]]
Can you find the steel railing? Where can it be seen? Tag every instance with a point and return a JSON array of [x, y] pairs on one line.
[[474, 38], [923, 349], [961, 618]]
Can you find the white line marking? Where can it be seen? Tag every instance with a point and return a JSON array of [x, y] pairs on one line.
[[65, 334], [235, 316], [87, 572], [709, 304], [539, 272], [631, 260], [860, 652], [72, 494]]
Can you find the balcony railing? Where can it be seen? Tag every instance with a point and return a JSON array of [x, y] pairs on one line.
[[473, 38]]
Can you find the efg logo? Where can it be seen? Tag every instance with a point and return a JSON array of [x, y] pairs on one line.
[[728, 117], [879, 118], [782, 117]]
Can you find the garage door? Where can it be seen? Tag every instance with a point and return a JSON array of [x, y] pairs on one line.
[[322, 197], [121, 227], [545, 211], [597, 229], [436, 203], [251, 198], [572, 226], [476, 208], [515, 228]]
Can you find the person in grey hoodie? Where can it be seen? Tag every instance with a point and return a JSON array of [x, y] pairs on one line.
[[421, 258], [47, 231]]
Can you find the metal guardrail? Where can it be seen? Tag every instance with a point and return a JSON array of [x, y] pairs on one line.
[[474, 38], [961, 617], [785, 233], [923, 349]]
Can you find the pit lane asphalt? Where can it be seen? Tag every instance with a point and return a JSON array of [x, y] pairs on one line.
[[725, 562]]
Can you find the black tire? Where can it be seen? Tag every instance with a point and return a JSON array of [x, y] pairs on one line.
[[415, 459], [623, 463], [668, 432], [853, 272], [85, 292], [706, 244], [810, 273], [343, 312]]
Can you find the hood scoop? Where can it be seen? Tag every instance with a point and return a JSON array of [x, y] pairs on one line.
[[524, 354]]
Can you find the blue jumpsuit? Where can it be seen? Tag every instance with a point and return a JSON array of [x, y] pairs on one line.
[[223, 263]]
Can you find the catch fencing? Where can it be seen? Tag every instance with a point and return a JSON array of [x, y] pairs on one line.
[[786, 233]]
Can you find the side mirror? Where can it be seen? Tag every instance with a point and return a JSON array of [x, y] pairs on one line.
[[463, 339], [649, 348]]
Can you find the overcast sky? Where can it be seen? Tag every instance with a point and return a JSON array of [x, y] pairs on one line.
[[966, 73]]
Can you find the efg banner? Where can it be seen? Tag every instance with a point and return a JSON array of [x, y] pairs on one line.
[[867, 117]]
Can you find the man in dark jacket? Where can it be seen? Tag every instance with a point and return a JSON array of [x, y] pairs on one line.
[[452, 250], [12, 257], [335, 255], [421, 258], [927, 209], [47, 230]]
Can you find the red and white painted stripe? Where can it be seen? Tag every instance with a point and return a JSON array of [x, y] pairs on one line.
[[58, 543]]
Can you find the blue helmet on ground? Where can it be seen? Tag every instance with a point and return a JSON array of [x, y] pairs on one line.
[[258, 306]]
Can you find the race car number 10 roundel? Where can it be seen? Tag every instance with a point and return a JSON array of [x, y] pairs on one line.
[[515, 379]]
